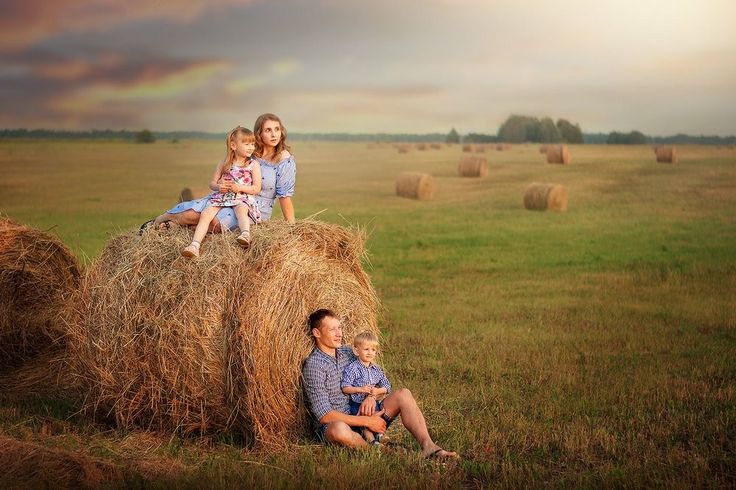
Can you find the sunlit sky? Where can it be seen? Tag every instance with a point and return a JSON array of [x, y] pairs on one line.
[[661, 67]]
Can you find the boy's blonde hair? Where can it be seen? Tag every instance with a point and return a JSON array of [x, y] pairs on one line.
[[363, 337]]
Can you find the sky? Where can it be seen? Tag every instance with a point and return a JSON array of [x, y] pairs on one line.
[[661, 67]]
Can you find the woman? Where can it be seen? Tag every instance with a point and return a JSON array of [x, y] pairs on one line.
[[278, 170]]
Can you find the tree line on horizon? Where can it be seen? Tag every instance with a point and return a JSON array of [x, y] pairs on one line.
[[516, 129]]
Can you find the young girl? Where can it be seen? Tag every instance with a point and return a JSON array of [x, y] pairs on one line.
[[235, 181]]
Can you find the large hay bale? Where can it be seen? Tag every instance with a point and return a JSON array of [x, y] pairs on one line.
[[472, 167], [558, 154], [216, 343], [666, 154], [38, 275], [541, 197], [415, 185], [189, 194]]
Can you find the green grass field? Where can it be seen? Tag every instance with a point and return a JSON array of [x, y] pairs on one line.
[[595, 347]]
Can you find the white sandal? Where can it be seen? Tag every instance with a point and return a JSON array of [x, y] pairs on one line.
[[244, 239], [191, 250]]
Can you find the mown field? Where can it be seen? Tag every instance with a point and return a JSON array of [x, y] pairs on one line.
[[595, 347]]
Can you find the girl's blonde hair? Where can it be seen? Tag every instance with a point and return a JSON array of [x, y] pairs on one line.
[[258, 127], [229, 152]]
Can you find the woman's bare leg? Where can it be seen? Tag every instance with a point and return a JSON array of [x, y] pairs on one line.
[[402, 402]]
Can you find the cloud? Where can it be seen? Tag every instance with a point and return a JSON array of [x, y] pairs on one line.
[[25, 22]]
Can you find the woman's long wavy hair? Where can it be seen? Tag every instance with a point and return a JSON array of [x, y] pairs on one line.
[[258, 127]]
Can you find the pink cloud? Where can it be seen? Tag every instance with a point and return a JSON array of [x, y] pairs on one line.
[[25, 22]]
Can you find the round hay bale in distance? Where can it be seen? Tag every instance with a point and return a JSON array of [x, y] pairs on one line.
[[467, 148], [415, 185], [543, 149], [542, 197], [38, 275], [214, 344], [666, 154], [472, 167], [558, 154]]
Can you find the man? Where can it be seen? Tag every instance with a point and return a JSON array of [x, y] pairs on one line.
[[322, 372]]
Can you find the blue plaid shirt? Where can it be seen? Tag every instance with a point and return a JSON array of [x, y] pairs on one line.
[[357, 375], [322, 374]]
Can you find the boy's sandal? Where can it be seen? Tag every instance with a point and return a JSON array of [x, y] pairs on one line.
[[190, 251]]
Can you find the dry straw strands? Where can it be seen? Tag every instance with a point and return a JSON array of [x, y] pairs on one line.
[[216, 343], [665, 154], [38, 274], [541, 197], [30, 465], [189, 194], [415, 185], [472, 167], [558, 154]]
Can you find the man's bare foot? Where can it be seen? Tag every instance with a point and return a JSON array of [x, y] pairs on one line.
[[439, 453]]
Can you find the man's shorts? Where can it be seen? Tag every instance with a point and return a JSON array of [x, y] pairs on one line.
[[354, 407]]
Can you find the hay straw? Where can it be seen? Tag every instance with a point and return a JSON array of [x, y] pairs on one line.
[[558, 154], [666, 154], [216, 343], [38, 274], [541, 197], [472, 167], [30, 465], [415, 185]]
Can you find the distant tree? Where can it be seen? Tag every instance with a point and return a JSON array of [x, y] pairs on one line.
[[570, 133], [548, 132], [518, 129], [632, 138], [144, 136], [452, 137]]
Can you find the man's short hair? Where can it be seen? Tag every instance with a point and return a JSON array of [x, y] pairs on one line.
[[366, 336], [315, 319]]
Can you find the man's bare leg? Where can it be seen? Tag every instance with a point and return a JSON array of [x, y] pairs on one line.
[[341, 434], [402, 403]]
